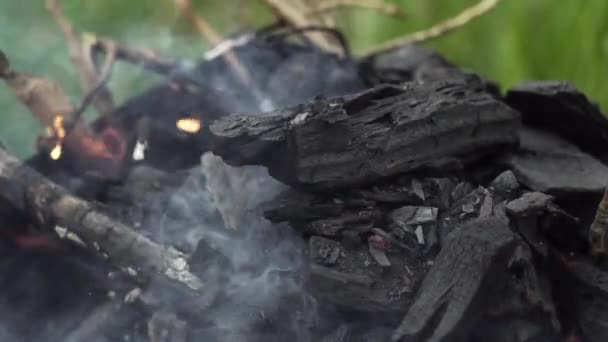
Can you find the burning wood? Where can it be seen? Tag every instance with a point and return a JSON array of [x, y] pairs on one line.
[[425, 201], [53, 108]]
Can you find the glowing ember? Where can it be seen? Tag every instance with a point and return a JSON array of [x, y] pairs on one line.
[[58, 126], [56, 152], [189, 125]]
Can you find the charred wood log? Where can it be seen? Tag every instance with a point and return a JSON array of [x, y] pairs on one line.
[[126, 249], [453, 295], [375, 135]]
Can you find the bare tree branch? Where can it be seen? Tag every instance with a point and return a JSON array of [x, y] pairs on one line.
[[438, 30], [80, 54]]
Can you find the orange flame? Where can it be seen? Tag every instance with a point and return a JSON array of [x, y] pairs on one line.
[[189, 125], [58, 131], [58, 126]]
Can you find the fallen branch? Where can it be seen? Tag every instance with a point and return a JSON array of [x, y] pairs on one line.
[[438, 30], [81, 56], [120, 244]]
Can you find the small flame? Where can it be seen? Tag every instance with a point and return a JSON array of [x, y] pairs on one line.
[[56, 152], [189, 125], [59, 131], [58, 126]]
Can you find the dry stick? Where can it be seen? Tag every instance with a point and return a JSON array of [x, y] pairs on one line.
[[144, 259], [325, 17], [106, 71], [296, 16], [208, 33], [333, 5], [147, 58], [82, 62], [44, 98], [440, 29]]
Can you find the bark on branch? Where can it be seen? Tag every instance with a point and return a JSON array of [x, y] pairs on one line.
[[125, 248]]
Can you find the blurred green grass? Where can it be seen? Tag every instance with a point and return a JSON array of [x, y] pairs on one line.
[[521, 39]]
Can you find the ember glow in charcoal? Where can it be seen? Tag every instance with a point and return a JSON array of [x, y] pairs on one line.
[[58, 127], [189, 125], [58, 131], [56, 152]]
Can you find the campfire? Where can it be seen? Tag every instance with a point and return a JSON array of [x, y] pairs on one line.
[[285, 189]]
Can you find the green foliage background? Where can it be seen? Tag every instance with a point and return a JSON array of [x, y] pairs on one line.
[[521, 39]]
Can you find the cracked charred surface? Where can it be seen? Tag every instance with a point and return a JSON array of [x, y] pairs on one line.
[[466, 271], [378, 134]]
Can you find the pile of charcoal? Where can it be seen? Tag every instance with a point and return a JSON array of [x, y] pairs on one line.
[[391, 197]]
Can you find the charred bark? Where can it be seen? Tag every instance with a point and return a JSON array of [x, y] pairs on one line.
[[375, 135]]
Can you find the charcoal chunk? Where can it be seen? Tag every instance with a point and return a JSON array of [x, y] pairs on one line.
[[505, 185], [547, 163], [324, 251], [530, 203], [451, 298]]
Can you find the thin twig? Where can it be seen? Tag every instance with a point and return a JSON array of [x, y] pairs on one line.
[[439, 30], [213, 38], [147, 58], [106, 71], [81, 58], [325, 18], [294, 13], [334, 5], [338, 35]]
